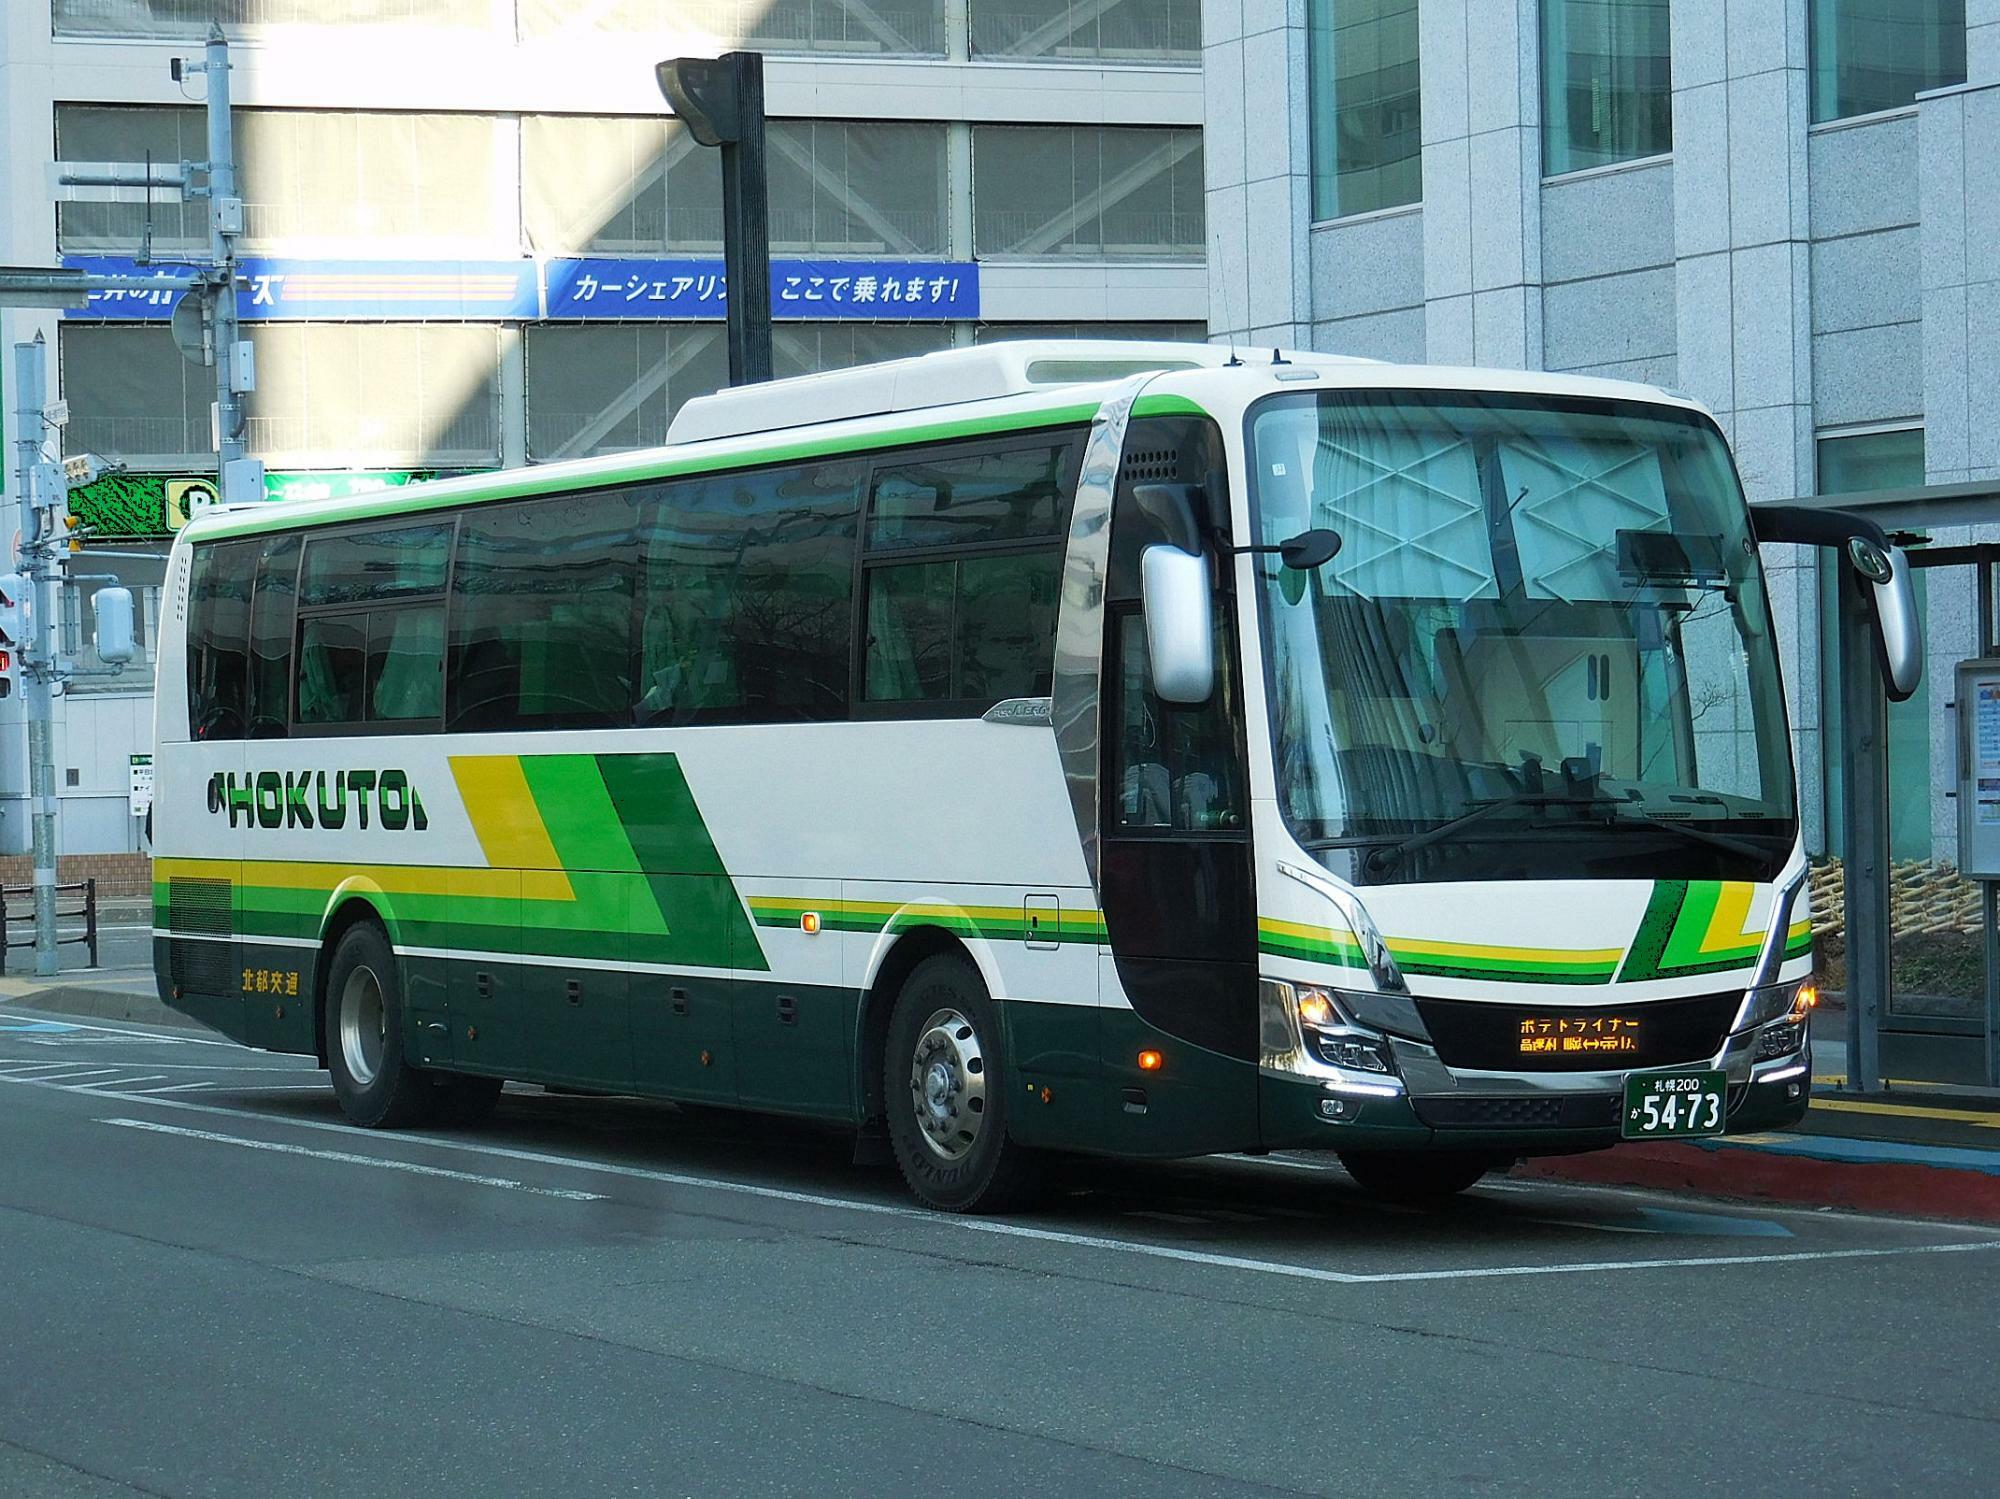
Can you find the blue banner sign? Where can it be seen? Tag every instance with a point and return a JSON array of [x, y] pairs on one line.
[[582, 289], [271, 289], [866, 290]]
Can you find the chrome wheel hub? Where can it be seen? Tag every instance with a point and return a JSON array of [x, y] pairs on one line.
[[363, 1025], [948, 1085]]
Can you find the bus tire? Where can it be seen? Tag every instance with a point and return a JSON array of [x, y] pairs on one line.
[[945, 1091], [377, 1086], [1416, 1177]]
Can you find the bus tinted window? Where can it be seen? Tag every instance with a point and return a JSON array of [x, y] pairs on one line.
[[333, 657], [271, 636], [959, 499], [219, 639], [748, 593], [406, 664], [969, 630], [542, 623], [364, 566]]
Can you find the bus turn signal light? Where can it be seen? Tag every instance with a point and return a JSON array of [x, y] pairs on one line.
[[1149, 1061], [809, 922], [1805, 998]]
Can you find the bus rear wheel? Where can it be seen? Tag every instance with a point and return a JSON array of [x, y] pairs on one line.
[[945, 1089], [377, 1086], [1417, 1176]]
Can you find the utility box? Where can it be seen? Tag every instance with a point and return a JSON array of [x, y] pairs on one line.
[[1978, 699]]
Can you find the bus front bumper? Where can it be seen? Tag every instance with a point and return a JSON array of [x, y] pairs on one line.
[[1429, 1105]]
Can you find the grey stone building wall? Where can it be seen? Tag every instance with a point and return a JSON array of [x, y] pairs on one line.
[[1801, 280]]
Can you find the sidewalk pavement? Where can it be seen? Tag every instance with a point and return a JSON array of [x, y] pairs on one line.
[[93, 994], [1916, 1150]]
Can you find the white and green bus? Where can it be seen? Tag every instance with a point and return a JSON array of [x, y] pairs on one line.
[[1121, 749]]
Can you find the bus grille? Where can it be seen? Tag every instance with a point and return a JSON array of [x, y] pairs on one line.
[[203, 910], [1542, 1111], [1487, 1037]]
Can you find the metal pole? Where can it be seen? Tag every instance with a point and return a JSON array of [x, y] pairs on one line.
[[225, 222], [746, 228], [1865, 799], [38, 654], [1989, 907]]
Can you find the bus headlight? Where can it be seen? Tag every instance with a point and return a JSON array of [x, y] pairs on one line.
[[1777, 1001], [1306, 1031]]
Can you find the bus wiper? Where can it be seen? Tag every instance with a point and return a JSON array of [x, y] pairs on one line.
[[1697, 834], [1381, 857]]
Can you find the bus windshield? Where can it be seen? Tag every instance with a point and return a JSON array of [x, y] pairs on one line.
[[1545, 611]]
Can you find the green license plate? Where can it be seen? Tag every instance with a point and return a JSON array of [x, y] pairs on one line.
[[1660, 1105]]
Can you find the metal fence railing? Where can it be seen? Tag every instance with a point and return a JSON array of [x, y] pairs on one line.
[[11, 902]]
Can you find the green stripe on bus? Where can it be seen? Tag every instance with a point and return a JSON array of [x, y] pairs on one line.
[[663, 463]]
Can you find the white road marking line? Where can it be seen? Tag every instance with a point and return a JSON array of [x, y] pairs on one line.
[[16, 1067], [70, 1077], [311, 1070], [323, 1088], [178, 1088], [349, 1158], [113, 1030], [1054, 1236], [123, 1082]]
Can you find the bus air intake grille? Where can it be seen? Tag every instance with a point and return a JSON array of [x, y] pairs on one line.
[[1474, 1036], [203, 910], [1538, 1111]]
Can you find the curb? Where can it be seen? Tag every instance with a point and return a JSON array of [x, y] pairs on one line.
[[89, 1003], [1812, 1171]]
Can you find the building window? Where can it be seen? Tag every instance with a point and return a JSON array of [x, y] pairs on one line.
[[613, 387], [1087, 192], [626, 185], [1104, 31], [363, 182], [123, 18], [1367, 117], [819, 28], [1869, 55], [1607, 89], [1847, 465]]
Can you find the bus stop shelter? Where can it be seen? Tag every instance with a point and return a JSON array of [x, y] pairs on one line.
[[1883, 1038]]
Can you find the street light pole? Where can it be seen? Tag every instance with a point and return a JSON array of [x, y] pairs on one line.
[[38, 648], [225, 223], [721, 102]]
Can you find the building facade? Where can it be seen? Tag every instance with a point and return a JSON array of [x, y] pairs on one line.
[[1788, 209], [994, 167]]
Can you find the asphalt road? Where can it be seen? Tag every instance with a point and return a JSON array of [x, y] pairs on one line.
[[214, 1287]]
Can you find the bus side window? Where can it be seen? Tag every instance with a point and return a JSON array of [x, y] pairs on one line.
[[218, 668], [1174, 769], [976, 625], [271, 611], [541, 618]]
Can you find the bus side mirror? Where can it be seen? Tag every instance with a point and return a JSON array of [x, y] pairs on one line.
[[1180, 632], [1881, 572], [1175, 593], [111, 621]]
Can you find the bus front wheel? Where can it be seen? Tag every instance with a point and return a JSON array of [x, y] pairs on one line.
[[1417, 1176], [946, 1094], [377, 1086]]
